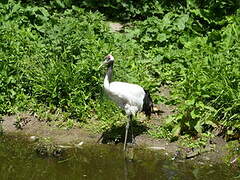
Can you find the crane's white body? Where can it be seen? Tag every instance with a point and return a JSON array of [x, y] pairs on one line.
[[132, 98], [128, 96]]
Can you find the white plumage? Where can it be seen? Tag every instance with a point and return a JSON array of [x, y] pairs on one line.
[[128, 96], [132, 98]]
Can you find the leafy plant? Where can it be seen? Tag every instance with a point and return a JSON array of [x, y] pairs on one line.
[[50, 51]]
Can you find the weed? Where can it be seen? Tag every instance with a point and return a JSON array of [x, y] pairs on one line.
[[232, 157], [1, 128]]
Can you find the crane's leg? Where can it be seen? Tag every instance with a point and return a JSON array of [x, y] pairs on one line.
[[126, 133], [131, 126]]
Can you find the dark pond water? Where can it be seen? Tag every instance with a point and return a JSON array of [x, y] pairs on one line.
[[19, 160]]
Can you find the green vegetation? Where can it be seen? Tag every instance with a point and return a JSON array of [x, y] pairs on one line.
[[50, 51], [233, 157]]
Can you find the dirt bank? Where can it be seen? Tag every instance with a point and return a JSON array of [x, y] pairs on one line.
[[31, 127]]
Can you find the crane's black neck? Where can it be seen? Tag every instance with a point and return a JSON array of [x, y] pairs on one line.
[[110, 71]]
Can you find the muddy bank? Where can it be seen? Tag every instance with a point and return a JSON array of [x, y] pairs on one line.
[[31, 126], [34, 129]]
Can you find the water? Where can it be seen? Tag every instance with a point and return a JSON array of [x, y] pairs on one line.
[[19, 160]]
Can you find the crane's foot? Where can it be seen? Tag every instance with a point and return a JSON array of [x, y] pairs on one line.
[[100, 139], [129, 145], [134, 142]]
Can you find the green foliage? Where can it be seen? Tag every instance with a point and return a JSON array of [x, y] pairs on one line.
[[50, 51], [50, 59], [205, 11], [161, 132], [155, 32], [210, 87], [232, 158], [189, 142], [203, 70], [49, 62]]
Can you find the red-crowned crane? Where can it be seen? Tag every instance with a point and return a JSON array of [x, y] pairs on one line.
[[132, 98]]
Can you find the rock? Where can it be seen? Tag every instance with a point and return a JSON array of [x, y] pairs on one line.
[[64, 147], [79, 144], [34, 138], [48, 150], [235, 160], [193, 154], [157, 148]]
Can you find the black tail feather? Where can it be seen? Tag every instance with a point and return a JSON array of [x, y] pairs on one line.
[[147, 104]]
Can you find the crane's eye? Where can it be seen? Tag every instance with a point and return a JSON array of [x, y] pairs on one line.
[[108, 58]]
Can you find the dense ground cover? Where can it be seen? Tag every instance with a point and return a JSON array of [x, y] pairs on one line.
[[50, 52]]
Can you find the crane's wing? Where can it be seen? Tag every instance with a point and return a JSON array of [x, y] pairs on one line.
[[125, 93]]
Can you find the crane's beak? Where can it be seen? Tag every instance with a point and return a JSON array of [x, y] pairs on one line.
[[102, 64]]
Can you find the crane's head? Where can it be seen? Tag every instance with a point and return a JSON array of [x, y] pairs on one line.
[[109, 60]]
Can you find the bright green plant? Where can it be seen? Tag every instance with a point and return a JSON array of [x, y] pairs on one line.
[[210, 87], [50, 51]]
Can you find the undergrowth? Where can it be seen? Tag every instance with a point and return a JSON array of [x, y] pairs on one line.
[[50, 52]]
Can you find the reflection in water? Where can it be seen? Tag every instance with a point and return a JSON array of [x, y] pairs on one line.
[[125, 169], [99, 162]]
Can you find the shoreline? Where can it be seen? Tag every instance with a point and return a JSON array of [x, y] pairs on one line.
[[33, 130]]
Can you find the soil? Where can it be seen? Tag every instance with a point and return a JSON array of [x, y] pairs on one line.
[[31, 126]]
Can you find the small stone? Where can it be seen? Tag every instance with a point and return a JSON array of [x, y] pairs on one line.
[[157, 148], [33, 138], [191, 155], [234, 160], [79, 144], [64, 147], [207, 158], [201, 163]]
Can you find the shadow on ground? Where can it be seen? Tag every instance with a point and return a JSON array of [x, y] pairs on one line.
[[116, 134]]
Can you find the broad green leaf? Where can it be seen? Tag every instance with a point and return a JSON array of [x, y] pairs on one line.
[[181, 21], [44, 12], [161, 37], [194, 115], [198, 127], [176, 130]]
